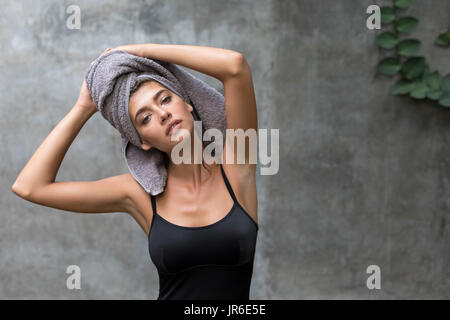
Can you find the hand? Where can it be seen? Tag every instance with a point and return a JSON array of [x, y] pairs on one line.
[[135, 49], [85, 99]]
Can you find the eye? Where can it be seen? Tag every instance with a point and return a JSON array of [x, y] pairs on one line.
[[144, 121], [168, 98]]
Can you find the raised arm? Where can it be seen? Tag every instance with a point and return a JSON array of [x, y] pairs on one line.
[[215, 62], [36, 182]]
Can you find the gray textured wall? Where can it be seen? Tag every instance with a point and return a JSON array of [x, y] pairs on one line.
[[363, 179]]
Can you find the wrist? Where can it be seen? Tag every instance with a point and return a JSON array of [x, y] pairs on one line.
[[84, 111]]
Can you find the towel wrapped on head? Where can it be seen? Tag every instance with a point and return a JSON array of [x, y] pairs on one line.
[[111, 78]]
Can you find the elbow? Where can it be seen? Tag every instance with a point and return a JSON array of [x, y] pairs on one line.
[[22, 192], [239, 64]]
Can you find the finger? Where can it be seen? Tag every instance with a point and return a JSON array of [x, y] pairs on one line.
[[106, 51]]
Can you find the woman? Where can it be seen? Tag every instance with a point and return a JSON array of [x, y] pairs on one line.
[[202, 229]]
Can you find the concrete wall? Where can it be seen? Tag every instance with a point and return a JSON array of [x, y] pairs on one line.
[[363, 178]]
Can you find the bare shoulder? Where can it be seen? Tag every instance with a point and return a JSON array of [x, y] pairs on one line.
[[138, 203], [242, 178]]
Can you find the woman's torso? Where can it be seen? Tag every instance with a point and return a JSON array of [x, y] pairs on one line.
[[209, 260]]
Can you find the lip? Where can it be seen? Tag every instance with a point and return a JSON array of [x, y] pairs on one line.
[[170, 125]]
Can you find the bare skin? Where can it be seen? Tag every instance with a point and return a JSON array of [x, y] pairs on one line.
[[193, 196]]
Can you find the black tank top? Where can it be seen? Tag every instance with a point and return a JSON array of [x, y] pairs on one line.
[[206, 262]]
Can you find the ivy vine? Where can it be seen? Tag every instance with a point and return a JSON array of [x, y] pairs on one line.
[[417, 80]]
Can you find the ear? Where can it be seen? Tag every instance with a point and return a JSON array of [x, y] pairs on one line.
[[190, 108]]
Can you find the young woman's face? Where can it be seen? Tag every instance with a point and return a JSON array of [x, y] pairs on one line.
[[152, 108]]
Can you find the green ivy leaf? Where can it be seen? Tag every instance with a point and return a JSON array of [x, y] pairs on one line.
[[406, 24], [408, 47], [403, 3], [419, 91], [426, 70], [386, 40], [445, 83], [402, 86], [443, 39], [387, 14], [445, 99], [434, 94], [389, 66], [432, 80], [418, 81], [413, 67]]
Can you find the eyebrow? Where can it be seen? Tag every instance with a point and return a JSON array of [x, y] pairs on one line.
[[155, 97]]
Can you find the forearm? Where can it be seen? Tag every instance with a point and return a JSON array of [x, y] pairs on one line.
[[43, 166], [216, 62]]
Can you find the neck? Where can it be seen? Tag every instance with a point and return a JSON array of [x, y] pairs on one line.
[[192, 174]]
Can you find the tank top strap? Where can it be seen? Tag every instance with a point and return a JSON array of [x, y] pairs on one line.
[[153, 203], [230, 190]]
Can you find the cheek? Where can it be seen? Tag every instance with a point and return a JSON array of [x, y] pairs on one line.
[[149, 133], [180, 106], [152, 133]]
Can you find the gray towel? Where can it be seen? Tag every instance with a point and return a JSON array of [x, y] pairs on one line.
[[110, 79]]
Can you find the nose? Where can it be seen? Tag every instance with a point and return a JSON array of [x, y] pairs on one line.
[[164, 115]]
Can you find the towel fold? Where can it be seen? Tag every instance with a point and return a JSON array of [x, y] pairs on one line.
[[111, 78]]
